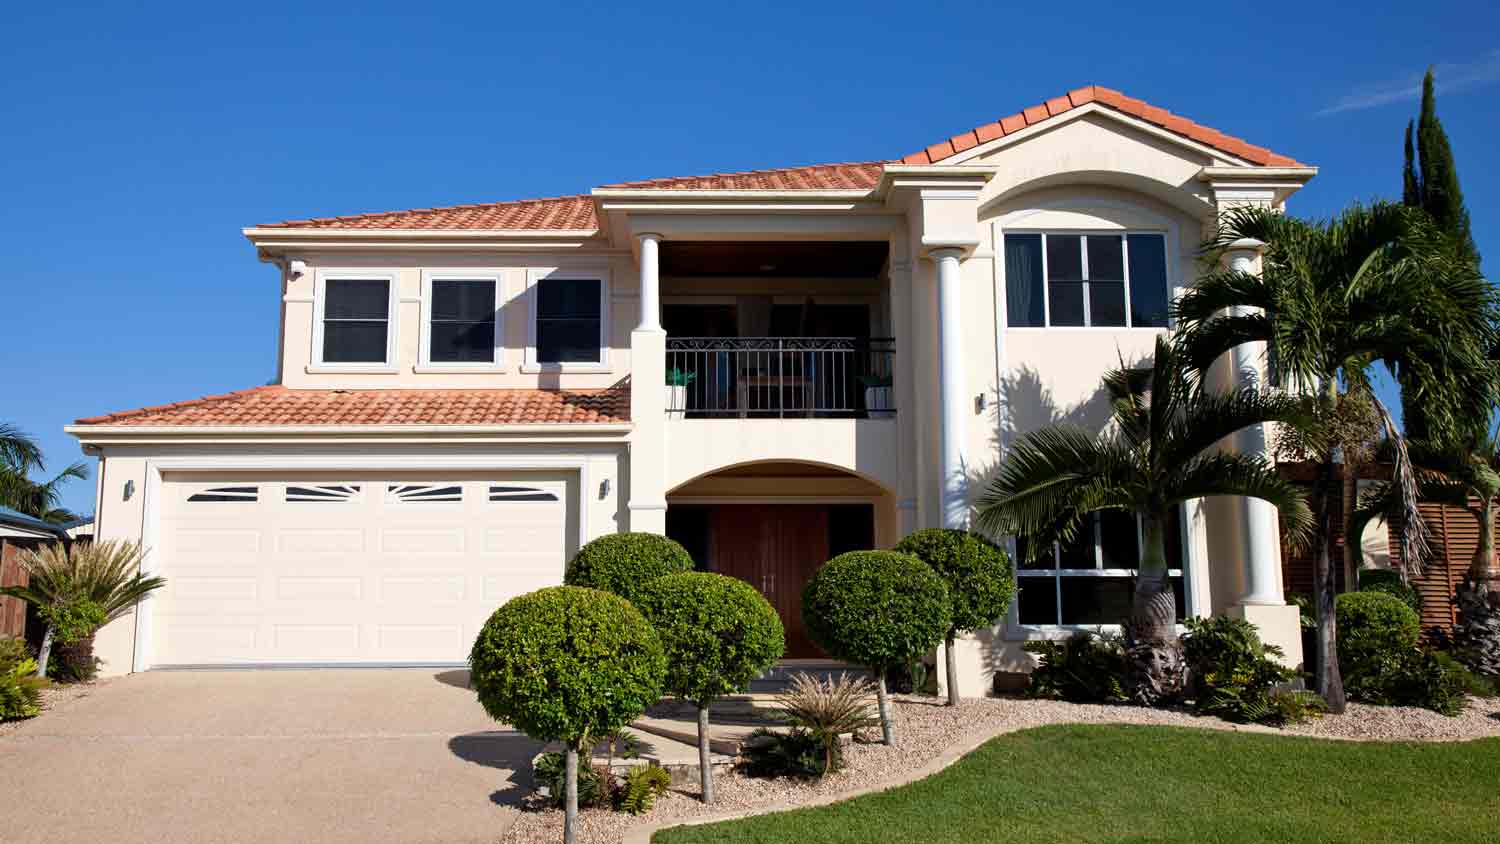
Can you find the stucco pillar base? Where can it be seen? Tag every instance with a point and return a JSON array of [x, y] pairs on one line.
[[1279, 625]]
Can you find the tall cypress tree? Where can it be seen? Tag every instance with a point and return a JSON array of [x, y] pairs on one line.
[[1430, 179]]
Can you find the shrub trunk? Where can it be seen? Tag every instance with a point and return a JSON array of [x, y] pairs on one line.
[[951, 659], [705, 770], [887, 730], [44, 652], [570, 800]]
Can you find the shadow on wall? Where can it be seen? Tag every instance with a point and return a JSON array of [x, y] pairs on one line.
[[1023, 403]]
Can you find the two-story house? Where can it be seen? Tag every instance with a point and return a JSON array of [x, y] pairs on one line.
[[771, 367]]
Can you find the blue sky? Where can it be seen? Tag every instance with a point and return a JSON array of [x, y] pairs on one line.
[[140, 138]]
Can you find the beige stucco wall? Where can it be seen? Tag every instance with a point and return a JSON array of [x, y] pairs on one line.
[[516, 271]]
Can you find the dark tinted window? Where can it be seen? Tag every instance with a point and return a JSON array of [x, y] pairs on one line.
[[355, 320], [1023, 280], [568, 319], [463, 321], [1148, 280]]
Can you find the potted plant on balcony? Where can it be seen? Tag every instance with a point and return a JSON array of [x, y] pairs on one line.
[[878, 399], [677, 384]]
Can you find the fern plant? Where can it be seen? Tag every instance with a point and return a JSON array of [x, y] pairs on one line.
[[640, 788]]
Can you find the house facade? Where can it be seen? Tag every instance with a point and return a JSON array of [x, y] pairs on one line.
[[771, 367]]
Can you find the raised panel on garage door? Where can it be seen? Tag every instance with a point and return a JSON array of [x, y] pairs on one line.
[[350, 568]]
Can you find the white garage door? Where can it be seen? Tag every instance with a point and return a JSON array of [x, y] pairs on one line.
[[361, 568]]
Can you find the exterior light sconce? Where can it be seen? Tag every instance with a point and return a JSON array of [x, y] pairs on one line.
[[129, 490], [604, 489], [979, 404]]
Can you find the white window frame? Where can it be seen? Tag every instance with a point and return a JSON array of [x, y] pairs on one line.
[[425, 363], [535, 276], [392, 320], [1015, 630], [1084, 235]]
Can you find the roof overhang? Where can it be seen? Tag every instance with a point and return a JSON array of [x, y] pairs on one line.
[[1269, 185], [273, 241], [96, 436]]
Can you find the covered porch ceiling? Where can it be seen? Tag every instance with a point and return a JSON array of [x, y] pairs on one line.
[[773, 259]]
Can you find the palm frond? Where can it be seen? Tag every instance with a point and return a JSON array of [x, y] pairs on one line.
[[1248, 475], [18, 451]]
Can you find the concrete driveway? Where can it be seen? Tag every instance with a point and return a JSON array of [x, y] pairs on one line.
[[368, 755]]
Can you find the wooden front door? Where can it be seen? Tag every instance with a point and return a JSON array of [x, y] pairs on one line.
[[776, 549]]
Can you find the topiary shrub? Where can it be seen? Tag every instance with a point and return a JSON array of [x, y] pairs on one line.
[[980, 578], [1376, 635], [567, 664], [622, 563], [878, 609], [719, 633], [1389, 581]]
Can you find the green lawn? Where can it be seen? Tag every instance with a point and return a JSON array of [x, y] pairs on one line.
[[1163, 784]]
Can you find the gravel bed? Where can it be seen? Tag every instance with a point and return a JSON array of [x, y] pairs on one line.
[[54, 697], [924, 729]]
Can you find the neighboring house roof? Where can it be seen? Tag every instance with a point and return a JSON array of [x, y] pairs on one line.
[[277, 405], [1043, 112], [18, 519], [576, 213]]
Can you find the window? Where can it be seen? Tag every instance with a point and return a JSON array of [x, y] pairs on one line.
[[569, 321], [329, 494], [1105, 280], [461, 325], [418, 493], [520, 493], [1092, 580], [355, 322], [226, 495]]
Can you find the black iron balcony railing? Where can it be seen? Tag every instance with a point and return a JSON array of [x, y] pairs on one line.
[[749, 377]]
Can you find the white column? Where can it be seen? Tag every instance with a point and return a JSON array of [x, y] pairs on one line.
[[650, 282], [951, 394], [648, 361], [1262, 536]]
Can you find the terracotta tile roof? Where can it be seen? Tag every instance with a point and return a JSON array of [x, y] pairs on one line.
[[577, 212], [859, 175], [277, 405], [1113, 99], [556, 213]]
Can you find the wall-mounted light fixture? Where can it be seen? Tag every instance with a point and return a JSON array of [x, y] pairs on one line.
[[979, 403], [604, 489], [129, 490]]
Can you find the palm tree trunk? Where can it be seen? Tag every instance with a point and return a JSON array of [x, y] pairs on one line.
[[570, 801], [883, 702], [44, 652], [1328, 681], [1353, 545], [705, 770], [951, 660], [1483, 574], [1155, 667]]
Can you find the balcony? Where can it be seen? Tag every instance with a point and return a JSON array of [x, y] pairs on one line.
[[780, 377]]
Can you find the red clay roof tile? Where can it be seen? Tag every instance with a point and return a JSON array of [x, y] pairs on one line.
[[277, 405]]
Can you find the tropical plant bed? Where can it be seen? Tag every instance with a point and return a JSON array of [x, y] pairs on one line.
[[1074, 783], [926, 729]]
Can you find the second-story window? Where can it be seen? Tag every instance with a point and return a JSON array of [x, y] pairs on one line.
[[356, 320], [569, 320], [1104, 280], [462, 327]]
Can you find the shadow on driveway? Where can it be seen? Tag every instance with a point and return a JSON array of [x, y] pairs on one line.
[[504, 750]]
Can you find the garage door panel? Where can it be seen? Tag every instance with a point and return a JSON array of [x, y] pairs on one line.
[[344, 569]]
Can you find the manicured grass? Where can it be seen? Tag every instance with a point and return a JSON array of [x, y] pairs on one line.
[[1163, 784]]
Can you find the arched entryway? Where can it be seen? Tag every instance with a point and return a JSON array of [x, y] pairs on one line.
[[772, 524]]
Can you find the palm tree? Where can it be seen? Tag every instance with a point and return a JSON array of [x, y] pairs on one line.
[[1160, 449], [19, 457], [81, 587], [1375, 286]]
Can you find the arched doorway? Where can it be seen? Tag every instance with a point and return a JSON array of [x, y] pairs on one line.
[[772, 524]]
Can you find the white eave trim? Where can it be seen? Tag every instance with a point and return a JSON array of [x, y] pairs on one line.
[[1253, 174], [670, 194], [418, 234], [87, 433]]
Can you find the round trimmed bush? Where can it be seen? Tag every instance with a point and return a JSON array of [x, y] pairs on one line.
[[1389, 581], [718, 632], [1377, 633], [566, 663], [980, 578], [876, 608], [624, 562]]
